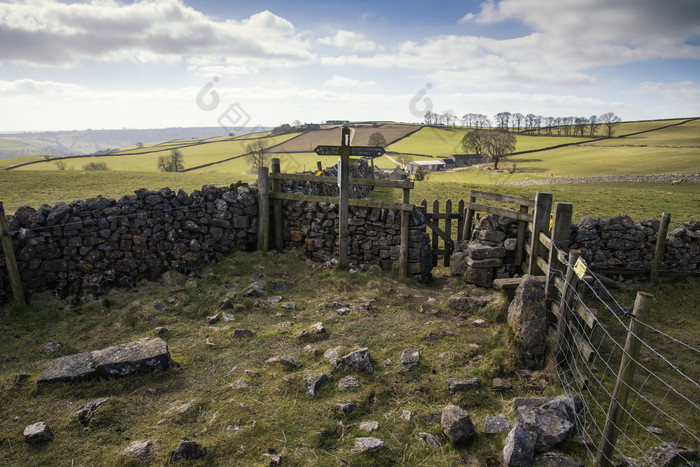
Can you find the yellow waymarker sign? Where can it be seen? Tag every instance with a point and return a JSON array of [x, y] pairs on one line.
[[580, 268]]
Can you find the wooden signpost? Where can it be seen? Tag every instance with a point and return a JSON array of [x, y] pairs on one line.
[[345, 151]]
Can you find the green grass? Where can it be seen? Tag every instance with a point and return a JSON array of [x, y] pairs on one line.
[[687, 134]]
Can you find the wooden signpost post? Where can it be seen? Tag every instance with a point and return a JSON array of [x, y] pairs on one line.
[[345, 151]]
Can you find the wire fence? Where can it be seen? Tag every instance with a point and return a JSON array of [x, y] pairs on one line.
[[663, 393]]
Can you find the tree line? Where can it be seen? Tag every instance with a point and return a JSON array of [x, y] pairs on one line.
[[530, 123]]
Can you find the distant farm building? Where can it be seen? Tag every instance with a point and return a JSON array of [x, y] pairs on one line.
[[397, 173], [464, 160], [426, 166], [337, 122], [312, 126]]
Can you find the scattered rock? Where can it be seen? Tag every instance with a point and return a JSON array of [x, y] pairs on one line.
[[462, 301], [285, 324], [181, 407], [188, 450], [317, 328], [409, 359], [480, 323], [519, 448], [52, 348], [165, 421], [147, 354], [655, 430], [160, 331], [343, 310], [455, 385], [279, 287], [346, 407], [431, 336], [457, 425], [286, 360], [289, 305], [500, 384], [274, 299], [254, 290], [407, 415], [495, 425], [369, 425], [368, 445], [20, 378], [140, 449], [275, 459], [550, 427], [226, 304], [227, 317], [238, 385], [314, 382], [160, 307], [527, 317], [360, 360], [37, 433], [553, 459], [669, 455], [213, 319], [387, 362], [430, 439], [86, 412], [240, 333], [349, 382]]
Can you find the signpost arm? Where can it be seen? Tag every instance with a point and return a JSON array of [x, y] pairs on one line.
[[344, 197]]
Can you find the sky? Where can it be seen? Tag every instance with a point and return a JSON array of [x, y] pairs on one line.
[[107, 64]]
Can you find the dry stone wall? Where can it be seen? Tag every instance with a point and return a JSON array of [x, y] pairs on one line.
[[100, 242]]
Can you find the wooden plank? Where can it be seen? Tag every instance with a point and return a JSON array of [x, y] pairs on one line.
[[460, 221], [353, 181], [370, 203], [439, 233], [448, 231], [503, 198], [583, 346], [542, 264], [362, 203], [581, 380], [562, 256], [436, 229], [520, 241], [264, 209], [444, 215], [468, 219], [540, 218], [527, 249], [11, 260], [343, 215], [544, 239], [588, 315], [561, 231], [500, 212], [559, 284]]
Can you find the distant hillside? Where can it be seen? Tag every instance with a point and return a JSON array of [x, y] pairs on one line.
[[64, 143]]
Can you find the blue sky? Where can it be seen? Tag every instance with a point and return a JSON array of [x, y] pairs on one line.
[[147, 64]]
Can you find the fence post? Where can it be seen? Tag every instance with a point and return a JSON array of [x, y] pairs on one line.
[[344, 198], [642, 306], [277, 208], [436, 209], [561, 231], [559, 348], [540, 223], [12, 269], [448, 230], [522, 225], [263, 209], [460, 220], [469, 218], [660, 246], [403, 249]]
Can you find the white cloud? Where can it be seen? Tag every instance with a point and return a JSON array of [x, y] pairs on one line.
[[47, 32], [349, 40], [686, 91], [344, 82]]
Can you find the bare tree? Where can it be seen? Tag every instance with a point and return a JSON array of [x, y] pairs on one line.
[[377, 139], [481, 121], [498, 145], [502, 120], [517, 120], [610, 121], [592, 125], [257, 154], [61, 165], [403, 159], [473, 141], [172, 162], [580, 124]]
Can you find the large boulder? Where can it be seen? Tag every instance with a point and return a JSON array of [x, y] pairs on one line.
[[457, 425], [671, 455], [519, 448], [550, 426], [37, 433], [527, 317], [147, 354], [360, 360]]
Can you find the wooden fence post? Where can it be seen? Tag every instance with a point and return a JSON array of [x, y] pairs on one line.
[[642, 306], [436, 209], [559, 348], [12, 269], [660, 246], [460, 221], [448, 230], [277, 208], [344, 198], [561, 231], [522, 225], [263, 209], [540, 223], [403, 250], [469, 219]]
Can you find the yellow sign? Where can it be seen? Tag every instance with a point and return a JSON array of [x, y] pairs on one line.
[[580, 268]]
